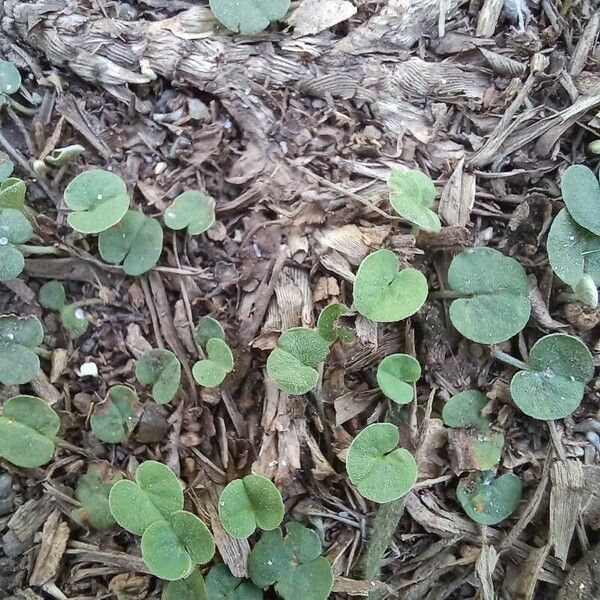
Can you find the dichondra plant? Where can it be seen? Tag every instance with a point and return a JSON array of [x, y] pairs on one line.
[[190, 588], [115, 418], [19, 340], [396, 374], [222, 585], [249, 17], [192, 210], [328, 324], [162, 370], [15, 230]]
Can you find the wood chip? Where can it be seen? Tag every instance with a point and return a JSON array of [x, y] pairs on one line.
[[55, 536]]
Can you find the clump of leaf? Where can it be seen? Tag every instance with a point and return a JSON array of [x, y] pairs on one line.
[[581, 195], [92, 491], [162, 370], [28, 430], [386, 294], [293, 564], [174, 541], [380, 470], [487, 500], [293, 364], [492, 295], [328, 324], [552, 384], [396, 375], [222, 585], [248, 503], [249, 17], [212, 370], [192, 210], [98, 200], [190, 588], [15, 230], [115, 418], [19, 339], [411, 195]]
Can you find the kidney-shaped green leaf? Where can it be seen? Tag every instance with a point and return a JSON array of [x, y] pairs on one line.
[[115, 418], [211, 371], [136, 242], [248, 503], [15, 229], [98, 200], [380, 471], [162, 370], [581, 195], [75, 320], [560, 365], [248, 17], [328, 327], [487, 500], [10, 78], [395, 375], [293, 563], [222, 585], [190, 588], [411, 195], [52, 295], [12, 193], [19, 338], [464, 410], [194, 210], [293, 364], [494, 295], [28, 429], [385, 294], [207, 329], [154, 496]]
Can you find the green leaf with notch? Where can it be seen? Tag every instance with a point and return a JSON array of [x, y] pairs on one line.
[[194, 210], [19, 338], [395, 375], [211, 372], [581, 195], [98, 200], [249, 17], [10, 78], [560, 366], [380, 471], [15, 229], [464, 410], [190, 588], [207, 329], [162, 370], [328, 326], [12, 193], [383, 293], [52, 295], [136, 242], [222, 585], [74, 320], [115, 418], [248, 503]]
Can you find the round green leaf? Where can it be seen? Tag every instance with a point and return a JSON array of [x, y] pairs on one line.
[[194, 210], [211, 371], [572, 250], [249, 17], [487, 450], [12, 193], [98, 200], [395, 374], [560, 365], [52, 295], [411, 195], [117, 416], [328, 327], [222, 585], [92, 491], [487, 500], [586, 291], [155, 495], [136, 242], [10, 78], [190, 588], [14, 229], [28, 428], [581, 195], [248, 503], [383, 293], [464, 410], [6, 166], [171, 548], [292, 365], [292, 563], [494, 303], [162, 370], [19, 337], [380, 471], [207, 329], [74, 320]]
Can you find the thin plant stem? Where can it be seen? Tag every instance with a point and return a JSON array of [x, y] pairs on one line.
[[510, 360], [40, 250], [43, 353], [414, 229], [20, 108], [447, 295], [88, 302]]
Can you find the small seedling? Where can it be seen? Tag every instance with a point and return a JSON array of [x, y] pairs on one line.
[[190, 588], [552, 383], [115, 418], [380, 471], [207, 329], [328, 324], [194, 210], [395, 377], [162, 370], [136, 242], [293, 364], [28, 430], [19, 340], [248, 503], [92, 491], [250, 17], [12, 193], [581, 195], [15, 229], [487, 500], [574, 254], [292, 563], [385, 294], [211, 371], [222, 585], [411, 195], [173, 541], [491, 294], [98, 200]]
